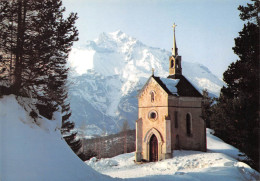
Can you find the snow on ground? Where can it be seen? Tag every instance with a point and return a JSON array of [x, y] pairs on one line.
[[35, 151], [215, 144], [218, 163]]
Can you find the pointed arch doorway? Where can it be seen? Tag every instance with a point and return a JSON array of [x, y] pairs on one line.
[[153, 149]]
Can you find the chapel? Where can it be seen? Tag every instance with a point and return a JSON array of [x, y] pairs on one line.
[[169, 114]]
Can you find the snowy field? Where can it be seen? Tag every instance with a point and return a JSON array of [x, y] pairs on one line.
[[33, 150], [220, 162]]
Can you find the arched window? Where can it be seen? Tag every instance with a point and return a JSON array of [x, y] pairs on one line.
[[188, 124], [152, 96], [177, 64], [172, 63]]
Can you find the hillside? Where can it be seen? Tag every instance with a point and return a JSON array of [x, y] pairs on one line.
[[33, 150], [107, 74]]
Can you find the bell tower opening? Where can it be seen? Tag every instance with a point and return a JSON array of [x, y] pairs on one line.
[[172, 63]]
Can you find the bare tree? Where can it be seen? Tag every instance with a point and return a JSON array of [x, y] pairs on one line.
[[124, 129]]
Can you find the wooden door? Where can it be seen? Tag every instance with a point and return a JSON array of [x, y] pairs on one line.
[[153, 149]]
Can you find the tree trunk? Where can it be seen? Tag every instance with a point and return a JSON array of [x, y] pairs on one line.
[[21, 16]]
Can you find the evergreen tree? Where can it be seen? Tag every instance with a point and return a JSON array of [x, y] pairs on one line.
[[8, 40], [236, 115], [207, 102], [67, 128], [35, 40]]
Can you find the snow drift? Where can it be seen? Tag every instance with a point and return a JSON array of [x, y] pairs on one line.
[[33, 150]]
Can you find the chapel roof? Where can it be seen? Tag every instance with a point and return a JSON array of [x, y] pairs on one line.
[[169, 85], [178, 85]]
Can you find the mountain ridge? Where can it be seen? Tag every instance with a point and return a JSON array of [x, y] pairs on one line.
[[110, 70]]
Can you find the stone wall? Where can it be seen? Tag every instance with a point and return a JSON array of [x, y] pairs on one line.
[[183, 106]]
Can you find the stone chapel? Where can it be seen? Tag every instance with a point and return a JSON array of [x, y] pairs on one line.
[[169, 114]]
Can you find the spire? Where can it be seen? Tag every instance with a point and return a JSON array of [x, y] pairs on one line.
[[174, 47], [175, 69]]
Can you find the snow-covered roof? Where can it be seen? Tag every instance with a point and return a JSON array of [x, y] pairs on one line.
[[170, 84], [175, 85]]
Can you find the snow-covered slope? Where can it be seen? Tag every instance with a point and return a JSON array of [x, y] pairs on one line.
[[220, 162], [34, 150], [109, 71]]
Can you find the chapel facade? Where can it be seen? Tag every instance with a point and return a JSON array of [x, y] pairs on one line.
[[169, 114]]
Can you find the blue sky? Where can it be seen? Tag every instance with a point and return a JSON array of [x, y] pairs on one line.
[[205, 28]]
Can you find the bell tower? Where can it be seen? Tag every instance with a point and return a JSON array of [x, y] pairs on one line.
[[174, 59]]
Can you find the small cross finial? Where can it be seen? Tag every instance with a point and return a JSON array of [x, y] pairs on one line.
[[174, 25], [153, 71]]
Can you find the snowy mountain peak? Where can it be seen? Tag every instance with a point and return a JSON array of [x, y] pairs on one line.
[[120, 54], [119, 35], [114, 40]]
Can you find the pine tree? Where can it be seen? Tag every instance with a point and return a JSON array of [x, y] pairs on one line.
[[8, 41], [236, 115], [207, 102], [67, 129], [35, 40]]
